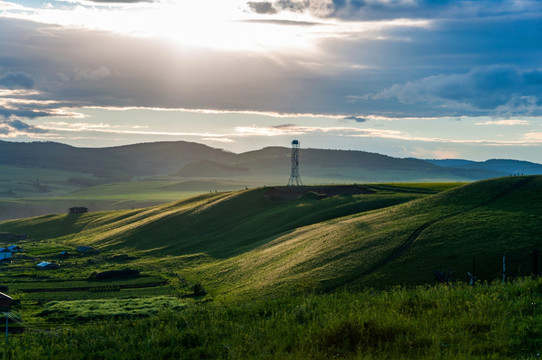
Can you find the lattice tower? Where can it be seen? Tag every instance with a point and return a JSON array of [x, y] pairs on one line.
[[295, 179]]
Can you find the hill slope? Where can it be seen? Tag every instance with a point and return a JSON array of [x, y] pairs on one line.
[[244, 243]]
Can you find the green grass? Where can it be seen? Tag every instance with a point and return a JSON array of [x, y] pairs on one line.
[[400, 234], [488, 321], [314, 277], [86, 310], [218, 224]]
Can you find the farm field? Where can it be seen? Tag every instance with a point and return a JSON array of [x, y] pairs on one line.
[[324, 262]]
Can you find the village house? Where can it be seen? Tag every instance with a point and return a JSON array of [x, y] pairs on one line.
[[5, 254], [15, 248], [44, 265]]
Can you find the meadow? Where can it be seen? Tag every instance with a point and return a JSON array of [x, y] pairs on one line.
[[487, 321], [260, 273]]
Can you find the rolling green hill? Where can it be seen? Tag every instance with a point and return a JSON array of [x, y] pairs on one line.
[[41, 178], [257, 243]]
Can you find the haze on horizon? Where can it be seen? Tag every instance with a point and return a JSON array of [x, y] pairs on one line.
[[406, 78]]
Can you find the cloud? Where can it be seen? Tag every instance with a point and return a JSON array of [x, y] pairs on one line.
[[24, 127], [336, 59], [448, 9], [22, 113], [122, 1], [529, 139], [370, 10], [533, 136], [282, 22], [356, 119], [318, 8], [504, 122], [490, 88], [263, 7], [31, 104], [18, 80], [9, 128]]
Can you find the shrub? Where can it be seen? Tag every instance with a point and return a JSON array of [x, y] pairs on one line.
[[199, 290]]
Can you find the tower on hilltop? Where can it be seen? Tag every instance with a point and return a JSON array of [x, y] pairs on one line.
[[295, 180]]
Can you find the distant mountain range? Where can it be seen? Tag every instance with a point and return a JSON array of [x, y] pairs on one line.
[[269, 165], [499, 166]]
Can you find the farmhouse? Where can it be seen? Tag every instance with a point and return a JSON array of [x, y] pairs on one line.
[[15, 248], [78, 210], [44, 265], [5, 253], [64, 254]]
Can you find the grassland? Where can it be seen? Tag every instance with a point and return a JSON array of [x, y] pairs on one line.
[[296, 269], [392, 234], [488, 321]]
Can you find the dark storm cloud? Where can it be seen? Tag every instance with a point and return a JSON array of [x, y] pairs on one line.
[[18, 80], [481, 88], [263, 7]]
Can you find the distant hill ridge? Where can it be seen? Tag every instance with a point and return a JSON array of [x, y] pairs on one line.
[[188, 159], [112, 163], [502, 166]]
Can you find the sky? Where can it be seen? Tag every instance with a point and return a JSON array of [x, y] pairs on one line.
[[406, 78]]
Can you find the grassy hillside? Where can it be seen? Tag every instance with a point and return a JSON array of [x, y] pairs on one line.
[[218, 224], [247, 243], [293, 272], [403, 244]]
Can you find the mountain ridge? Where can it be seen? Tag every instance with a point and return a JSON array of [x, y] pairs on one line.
[[126, 162]]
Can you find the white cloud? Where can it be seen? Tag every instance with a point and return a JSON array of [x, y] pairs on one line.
[[504, 122], [533, 136]]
